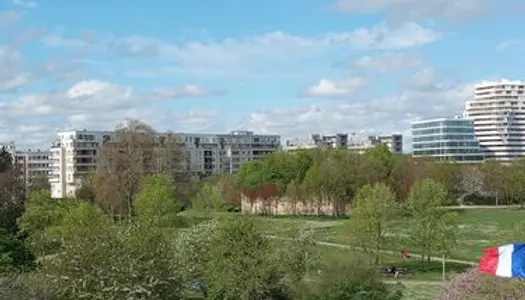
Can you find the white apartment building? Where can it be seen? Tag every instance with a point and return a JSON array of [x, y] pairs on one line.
[[74, 155], [33, 164], [498, 111], [354, 142], [224, 153]]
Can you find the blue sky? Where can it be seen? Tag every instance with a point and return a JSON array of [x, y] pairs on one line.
[[291, 67]]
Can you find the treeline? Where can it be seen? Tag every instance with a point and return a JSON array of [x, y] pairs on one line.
[[332, 176]]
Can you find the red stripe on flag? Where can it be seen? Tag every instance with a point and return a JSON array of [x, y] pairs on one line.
[[489, 261]]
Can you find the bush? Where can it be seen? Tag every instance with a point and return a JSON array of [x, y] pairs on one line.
[[354, 280], [14, 255], [100, 260]]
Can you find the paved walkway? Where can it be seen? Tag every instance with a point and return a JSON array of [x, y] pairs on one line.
[[458, 261]]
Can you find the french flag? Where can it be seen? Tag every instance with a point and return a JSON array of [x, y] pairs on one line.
[[504, 261]]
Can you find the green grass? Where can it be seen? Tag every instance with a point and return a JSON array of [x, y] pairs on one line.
[[478, 229]]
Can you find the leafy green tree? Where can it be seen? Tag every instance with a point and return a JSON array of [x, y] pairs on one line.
[[14, 254], [374, 207], [100, 260], [209, 197], [433, 229], [41, 214], [516, 181], [156, 201], [243, 265], [449, 175], [252, 175]]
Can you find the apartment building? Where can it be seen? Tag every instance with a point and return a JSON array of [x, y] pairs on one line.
[[33, 164], [74, 155], [360, 144], [498, 111], [224, 153], [354, 142], [446, 139]]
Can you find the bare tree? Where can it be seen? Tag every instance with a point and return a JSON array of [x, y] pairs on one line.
[[136, 151], [12, 192]]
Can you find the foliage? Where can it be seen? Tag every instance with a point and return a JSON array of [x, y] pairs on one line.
[[14, 254], [40, 182], [242, 264], [41, 217], [374, 207], [102, 261], [86, 191], [12, 192], [136, 151], [219, 194], [473, 285], [433, 229], [156, 201], [27, 287], [354, 280], [209, 197]]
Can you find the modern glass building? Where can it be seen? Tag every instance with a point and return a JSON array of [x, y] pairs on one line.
[[447, 139]]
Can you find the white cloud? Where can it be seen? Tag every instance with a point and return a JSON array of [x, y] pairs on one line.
[[368, 115], [387, 62], [271, 48], [188, 91], [96, 104], [511, 44], [327, 88], [417, 9], [25, 4], [12, 74]]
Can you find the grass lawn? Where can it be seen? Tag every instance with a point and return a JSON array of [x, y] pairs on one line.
[[420, 284], [478, 229]]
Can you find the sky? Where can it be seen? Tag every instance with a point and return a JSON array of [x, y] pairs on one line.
[[288, 67]]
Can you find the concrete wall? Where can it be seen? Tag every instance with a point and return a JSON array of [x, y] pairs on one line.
[[284, 206]]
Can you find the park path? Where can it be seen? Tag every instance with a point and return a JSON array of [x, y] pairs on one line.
[[342, 246]]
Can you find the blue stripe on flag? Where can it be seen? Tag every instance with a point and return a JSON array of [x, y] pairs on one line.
[[518, 261]]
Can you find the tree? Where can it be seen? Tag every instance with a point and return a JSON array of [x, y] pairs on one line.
[[137, 151], [242, 264], [516, 181], [156, 201], [473, 285], [209, 197], [12, 192], [100, 260], [39, 182], [433, 229], [374, 207], [449, 174], [86, 191], [495, 179]]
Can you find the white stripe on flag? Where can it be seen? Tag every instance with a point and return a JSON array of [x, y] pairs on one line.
[[505, 261]]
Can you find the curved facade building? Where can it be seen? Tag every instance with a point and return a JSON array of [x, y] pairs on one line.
[[446, 139], [498, 112]]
